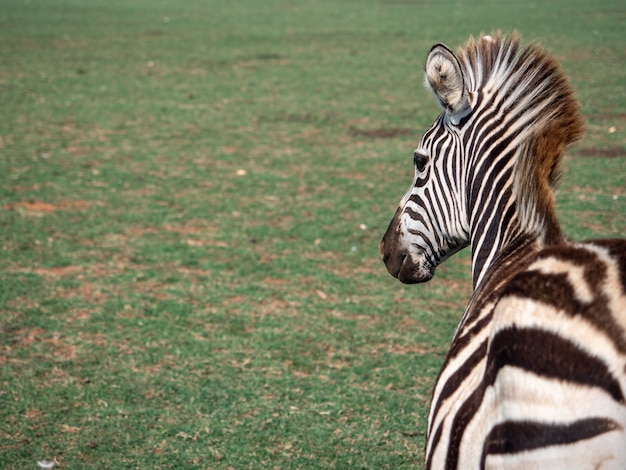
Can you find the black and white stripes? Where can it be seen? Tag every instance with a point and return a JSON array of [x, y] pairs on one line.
[[535, 376]]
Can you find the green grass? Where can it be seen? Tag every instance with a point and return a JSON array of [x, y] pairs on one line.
[[191, 199]]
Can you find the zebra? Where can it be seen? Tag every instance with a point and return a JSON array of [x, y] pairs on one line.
[[535, 376]]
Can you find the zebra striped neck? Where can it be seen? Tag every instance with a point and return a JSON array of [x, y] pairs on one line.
[[497, 222], [509, 260], [494, 221]]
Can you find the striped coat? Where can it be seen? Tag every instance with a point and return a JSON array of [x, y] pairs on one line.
[[543, 347], [535, 376]]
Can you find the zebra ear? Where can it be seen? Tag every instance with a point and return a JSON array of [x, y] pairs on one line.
[[445, 79]]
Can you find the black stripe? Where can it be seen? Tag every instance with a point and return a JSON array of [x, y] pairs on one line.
[[414, 215], [415, 198], [464, 415], [489, 129], [461, 373], [514, 437], [537, 351], [491, 177], [434, 440], [617, 249], [432, 209], [433, 133], [484, 113], [490, 229], [548, 355], [455, 381], [427, 250], [557, 290], [422, 180], [467, 336]]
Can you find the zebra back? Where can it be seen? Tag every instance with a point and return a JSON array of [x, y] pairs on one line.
[[535, 376]]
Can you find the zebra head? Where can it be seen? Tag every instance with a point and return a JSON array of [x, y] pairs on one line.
[[430, 224], [486, 169]]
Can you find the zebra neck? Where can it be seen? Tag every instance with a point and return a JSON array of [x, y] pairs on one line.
[[512, 258], [498, 233], [494, 224], [508, 207]]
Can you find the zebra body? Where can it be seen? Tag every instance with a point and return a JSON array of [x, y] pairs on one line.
[[535, 376]]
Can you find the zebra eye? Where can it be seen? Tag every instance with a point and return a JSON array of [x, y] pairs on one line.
[[420, 161]]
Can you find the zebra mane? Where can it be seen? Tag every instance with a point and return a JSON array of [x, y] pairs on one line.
[[535, 98]]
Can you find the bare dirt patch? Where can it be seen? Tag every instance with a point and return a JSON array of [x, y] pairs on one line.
[[611, 152], [379, 133], [607, 116], [58, 271], [39, 208], [58, 346]]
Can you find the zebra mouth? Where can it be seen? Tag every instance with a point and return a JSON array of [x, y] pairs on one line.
[[413, 273]]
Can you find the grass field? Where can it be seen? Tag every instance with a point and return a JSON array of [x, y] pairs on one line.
[[191, 200]]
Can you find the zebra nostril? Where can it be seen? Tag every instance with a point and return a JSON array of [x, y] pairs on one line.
[[402, 259], [394, 262]]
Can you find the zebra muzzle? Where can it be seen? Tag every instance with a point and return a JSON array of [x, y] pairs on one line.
[[402, 266]]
